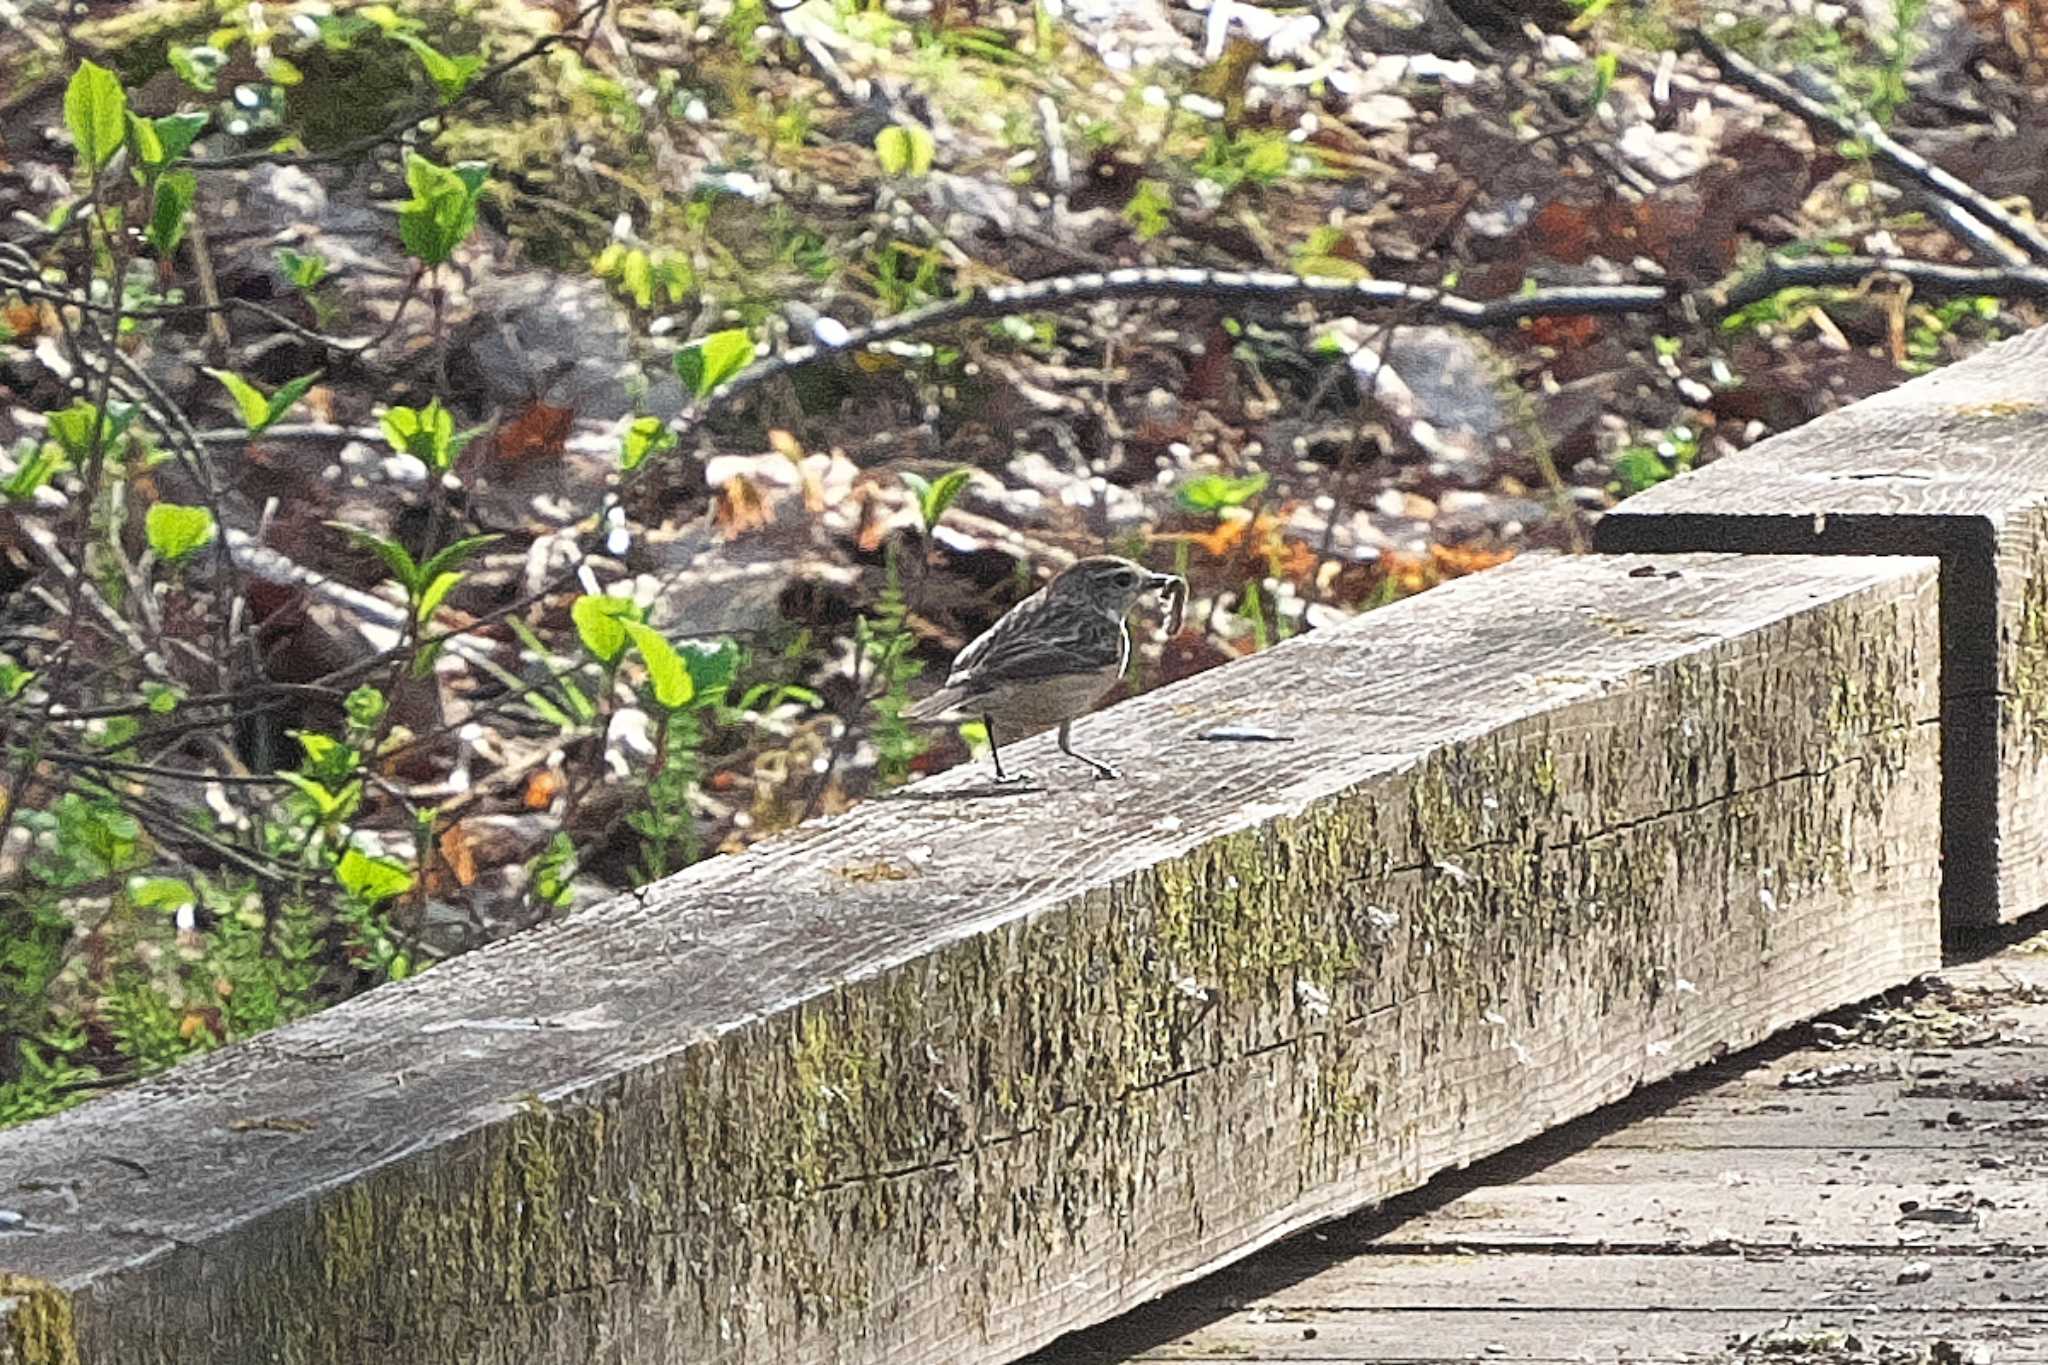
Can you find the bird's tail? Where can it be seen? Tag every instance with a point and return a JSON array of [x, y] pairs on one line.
[[938, 706]]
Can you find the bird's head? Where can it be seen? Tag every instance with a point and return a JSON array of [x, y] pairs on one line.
[[1110, 583]]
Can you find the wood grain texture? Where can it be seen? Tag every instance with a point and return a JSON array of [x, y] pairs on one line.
[[1732, 1216], [964, 1069], [1953, 464]]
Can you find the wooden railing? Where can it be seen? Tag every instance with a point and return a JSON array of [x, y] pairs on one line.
[[967, 1068]]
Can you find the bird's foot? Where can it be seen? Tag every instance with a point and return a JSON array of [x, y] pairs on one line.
[[1104, 772], [1012, 779]]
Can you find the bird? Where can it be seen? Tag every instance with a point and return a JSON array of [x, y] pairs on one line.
[[1052, 657]]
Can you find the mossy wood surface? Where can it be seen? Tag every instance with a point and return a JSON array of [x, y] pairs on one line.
[[1872, 1192], [1953, 464], [967, 1068]]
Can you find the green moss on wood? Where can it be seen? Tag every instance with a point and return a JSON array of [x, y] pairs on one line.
[[36, 1322]]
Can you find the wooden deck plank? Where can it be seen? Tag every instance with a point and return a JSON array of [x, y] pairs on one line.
[[1954, 464], [1601, 1241], [969, 1067], [1821, 1337]]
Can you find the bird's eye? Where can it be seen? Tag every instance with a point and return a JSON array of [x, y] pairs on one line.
[[1126, 579]]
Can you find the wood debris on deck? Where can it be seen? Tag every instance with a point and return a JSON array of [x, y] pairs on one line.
[[1873, 1188]]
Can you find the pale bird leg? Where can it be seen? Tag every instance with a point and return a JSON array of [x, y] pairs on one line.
[[1102, 769]]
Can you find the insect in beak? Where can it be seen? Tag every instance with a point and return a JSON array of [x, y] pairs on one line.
[[1174, 590]]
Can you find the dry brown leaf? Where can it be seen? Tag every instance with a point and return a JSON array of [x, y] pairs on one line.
[[538, 432], [458, 853], [740, 507], [542, 788]]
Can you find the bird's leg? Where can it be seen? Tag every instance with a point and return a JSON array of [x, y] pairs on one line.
[[988, 724], [1102, 769]]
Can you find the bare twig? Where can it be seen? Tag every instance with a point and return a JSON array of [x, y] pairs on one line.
[[1927, 277], [1884, 150]]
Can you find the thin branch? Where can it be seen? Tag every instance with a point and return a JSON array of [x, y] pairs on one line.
[[1884, 150], [1928, 278], [1268, 287]]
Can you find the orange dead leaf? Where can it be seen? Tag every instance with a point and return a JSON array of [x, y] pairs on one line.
[[538, 433], [1408, 573], [319, 403], [874, 522], [22, 319], [459, 853], [741, 507], [1455, 561], [1563, 333], [542, 788], [1294, 560], [1221, 540]]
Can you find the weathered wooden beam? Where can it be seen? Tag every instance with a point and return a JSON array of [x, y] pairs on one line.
[[966, 1068], [1953, 464]]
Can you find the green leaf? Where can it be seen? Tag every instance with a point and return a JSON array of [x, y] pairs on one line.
[[1214, 492], [665, 667], [904, 150], [177, 132], [33, 472], [892, 148], [96, 112], [199, 66], [1604, 67], [452, 554], [171, 210], [636, 276], [442, 210], [450, 75], [712, 666], [304, 269], [709, 361], [145, 144], [72, 429], [426, 433], [364, 707], [934, 498], [646, 437], [327, 804], [326, 756], [287, 396], [437, 590], [1640, 467], [395, 556], [600, 624], [174, 531], [162, 893], [1149, 209], [14, 679], [250, 399], [371, 880], [922, 149], [163, 698], [581, 706]]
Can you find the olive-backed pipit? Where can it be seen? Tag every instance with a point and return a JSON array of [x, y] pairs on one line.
[[1051, 657]]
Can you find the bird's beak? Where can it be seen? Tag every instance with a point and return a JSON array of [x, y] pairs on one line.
[[1167, 582]]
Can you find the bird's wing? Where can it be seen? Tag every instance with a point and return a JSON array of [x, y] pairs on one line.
[[1033, 641]]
